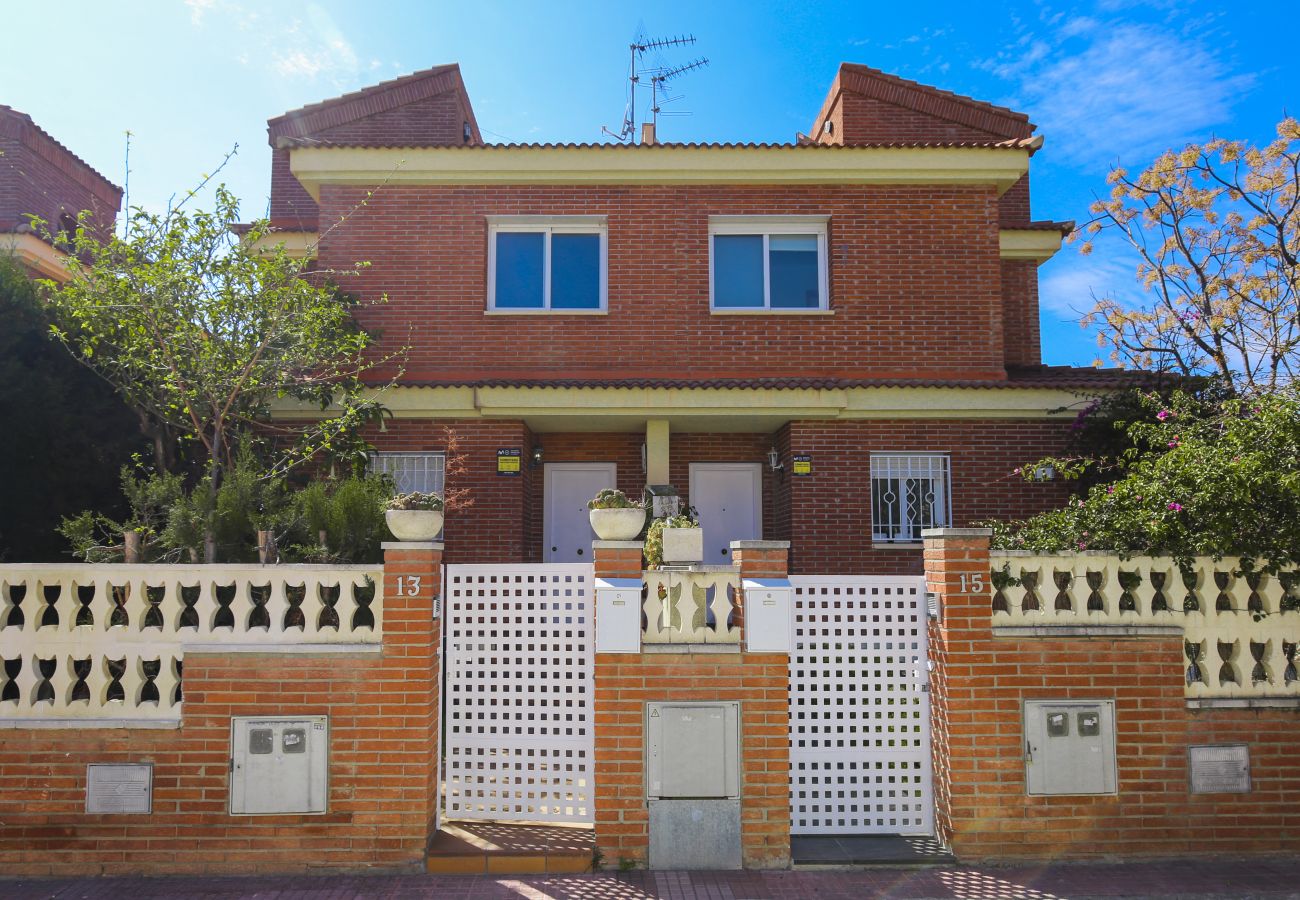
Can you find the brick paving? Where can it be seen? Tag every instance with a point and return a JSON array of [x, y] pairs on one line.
[[1187, 880]]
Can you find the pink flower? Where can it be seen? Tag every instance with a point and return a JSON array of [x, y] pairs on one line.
[[1175, 507], [1110, 488], [1163, 414]]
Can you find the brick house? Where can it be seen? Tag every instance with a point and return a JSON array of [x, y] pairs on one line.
[[41, 177], [863, 301]]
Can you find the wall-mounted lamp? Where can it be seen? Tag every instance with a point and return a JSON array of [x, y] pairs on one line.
[[774, 460], [537, 456]]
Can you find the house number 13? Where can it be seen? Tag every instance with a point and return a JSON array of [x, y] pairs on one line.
[[408, 585], [972, 584]]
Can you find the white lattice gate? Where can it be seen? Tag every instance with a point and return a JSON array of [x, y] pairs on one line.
[[859, 707], [517, 698]]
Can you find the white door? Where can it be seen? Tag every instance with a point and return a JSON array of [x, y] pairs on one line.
[[729, 500], [566, 530]]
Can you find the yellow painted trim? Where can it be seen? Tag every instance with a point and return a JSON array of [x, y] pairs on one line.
[[656, 451], [317, 166], [1027, 243], [297, 244], [35, 254], [551, 409]]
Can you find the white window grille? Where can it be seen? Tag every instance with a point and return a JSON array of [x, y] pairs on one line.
[[909, 492], [424, 472]]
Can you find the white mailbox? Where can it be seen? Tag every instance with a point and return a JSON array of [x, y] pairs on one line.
[[279, 765], [1070, 746], [618, 615], [693, 750], [769, 615]]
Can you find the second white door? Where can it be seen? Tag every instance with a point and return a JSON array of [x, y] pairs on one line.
[[729, 500], [566, 530]]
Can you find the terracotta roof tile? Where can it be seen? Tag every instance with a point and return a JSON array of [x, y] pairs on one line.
[[87, 168], [1060, 377], [1013, 144]]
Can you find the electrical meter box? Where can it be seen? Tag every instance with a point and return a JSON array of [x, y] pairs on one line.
[[692, 750], [618, 615], [1070, 746], [769, 615], [279, 765]]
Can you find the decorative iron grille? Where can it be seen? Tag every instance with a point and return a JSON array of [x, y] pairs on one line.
[[424, 472], [909, 492]]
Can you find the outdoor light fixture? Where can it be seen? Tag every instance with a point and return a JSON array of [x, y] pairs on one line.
[[774, 460], [537, 456]]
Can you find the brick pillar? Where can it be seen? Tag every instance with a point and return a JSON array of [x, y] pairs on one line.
[[622, 819], [761, 559], [413, 635], [957, 570]]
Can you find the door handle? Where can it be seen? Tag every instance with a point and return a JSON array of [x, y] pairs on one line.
[[579, 551]]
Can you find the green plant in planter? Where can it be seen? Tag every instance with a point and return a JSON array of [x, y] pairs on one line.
[[416, 500], [654, 535], [613, 499]]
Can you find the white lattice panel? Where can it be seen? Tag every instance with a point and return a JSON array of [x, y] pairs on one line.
[[859, 708], [517, 700]]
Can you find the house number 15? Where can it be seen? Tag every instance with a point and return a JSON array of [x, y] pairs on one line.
[[408, 585], [972, 584]]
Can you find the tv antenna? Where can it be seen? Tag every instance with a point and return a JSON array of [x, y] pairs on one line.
[[658, 75]]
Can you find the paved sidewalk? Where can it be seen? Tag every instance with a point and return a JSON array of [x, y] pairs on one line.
[[1184, 879]]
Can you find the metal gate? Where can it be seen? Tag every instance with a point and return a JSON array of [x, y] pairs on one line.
[[518, 645], [860, 707]]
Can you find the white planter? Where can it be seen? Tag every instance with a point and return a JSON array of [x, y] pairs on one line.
[[683, 545], [414, 524], [616, 524]]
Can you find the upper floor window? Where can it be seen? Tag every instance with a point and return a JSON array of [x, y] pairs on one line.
[[909, 492], [767, 263], [538, 263], [424, 472]]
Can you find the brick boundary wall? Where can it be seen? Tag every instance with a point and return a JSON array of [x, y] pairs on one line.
[[625, 682], [979, 684], [383, 793]]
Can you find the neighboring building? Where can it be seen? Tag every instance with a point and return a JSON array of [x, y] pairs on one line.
[[41, 177], [812, 341]]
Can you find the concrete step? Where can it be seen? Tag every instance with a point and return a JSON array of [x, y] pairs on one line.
[[493, 848], [868, 850]]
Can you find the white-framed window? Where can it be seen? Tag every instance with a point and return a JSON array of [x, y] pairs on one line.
[[424, 472], [548, 264], [774, 263], [909, 492]]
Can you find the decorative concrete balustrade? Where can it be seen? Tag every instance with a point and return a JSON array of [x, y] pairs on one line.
[[1240, 632], [696, 606], [108, 641]]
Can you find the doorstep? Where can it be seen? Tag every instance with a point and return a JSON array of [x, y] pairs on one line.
[[868, 850], [497, 848]]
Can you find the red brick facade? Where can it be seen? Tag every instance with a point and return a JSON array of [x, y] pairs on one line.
[[40, 177], [980, 682]]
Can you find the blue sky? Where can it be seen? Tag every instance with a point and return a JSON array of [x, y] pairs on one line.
[[1105, 80]]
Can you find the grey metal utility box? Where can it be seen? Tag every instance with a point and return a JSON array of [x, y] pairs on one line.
[[1070, 746], [279, 764], [693, 750]]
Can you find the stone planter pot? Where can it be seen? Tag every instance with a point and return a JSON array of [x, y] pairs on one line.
[[616, 524], [414, 524], [683, 545]]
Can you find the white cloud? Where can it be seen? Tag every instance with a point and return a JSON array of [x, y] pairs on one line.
[[1119, 89], [198, 9], [1071, 283]]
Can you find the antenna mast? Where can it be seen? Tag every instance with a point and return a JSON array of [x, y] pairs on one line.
[[637, 50]]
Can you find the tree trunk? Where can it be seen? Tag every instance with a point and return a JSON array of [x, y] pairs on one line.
[[214, 484], [267, 552], [132, 546]]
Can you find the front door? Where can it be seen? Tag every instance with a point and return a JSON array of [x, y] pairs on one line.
[[729, 500], [566, 531]]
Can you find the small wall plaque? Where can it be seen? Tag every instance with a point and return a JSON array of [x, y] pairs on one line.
[[1219, 769], [119, 789], [508, 462], [801, 464]]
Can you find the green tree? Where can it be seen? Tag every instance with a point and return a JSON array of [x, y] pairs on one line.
[[202, 333], [1197, 477], [66, 434], [1216, 227]]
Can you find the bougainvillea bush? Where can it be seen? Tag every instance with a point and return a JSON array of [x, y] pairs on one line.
[[1192, 477]]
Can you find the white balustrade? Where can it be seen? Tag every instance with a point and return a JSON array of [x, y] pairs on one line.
[[1240, 632], [697, 606], [108, 641]]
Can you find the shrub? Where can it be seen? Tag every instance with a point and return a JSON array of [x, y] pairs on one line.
[[612, 499]]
